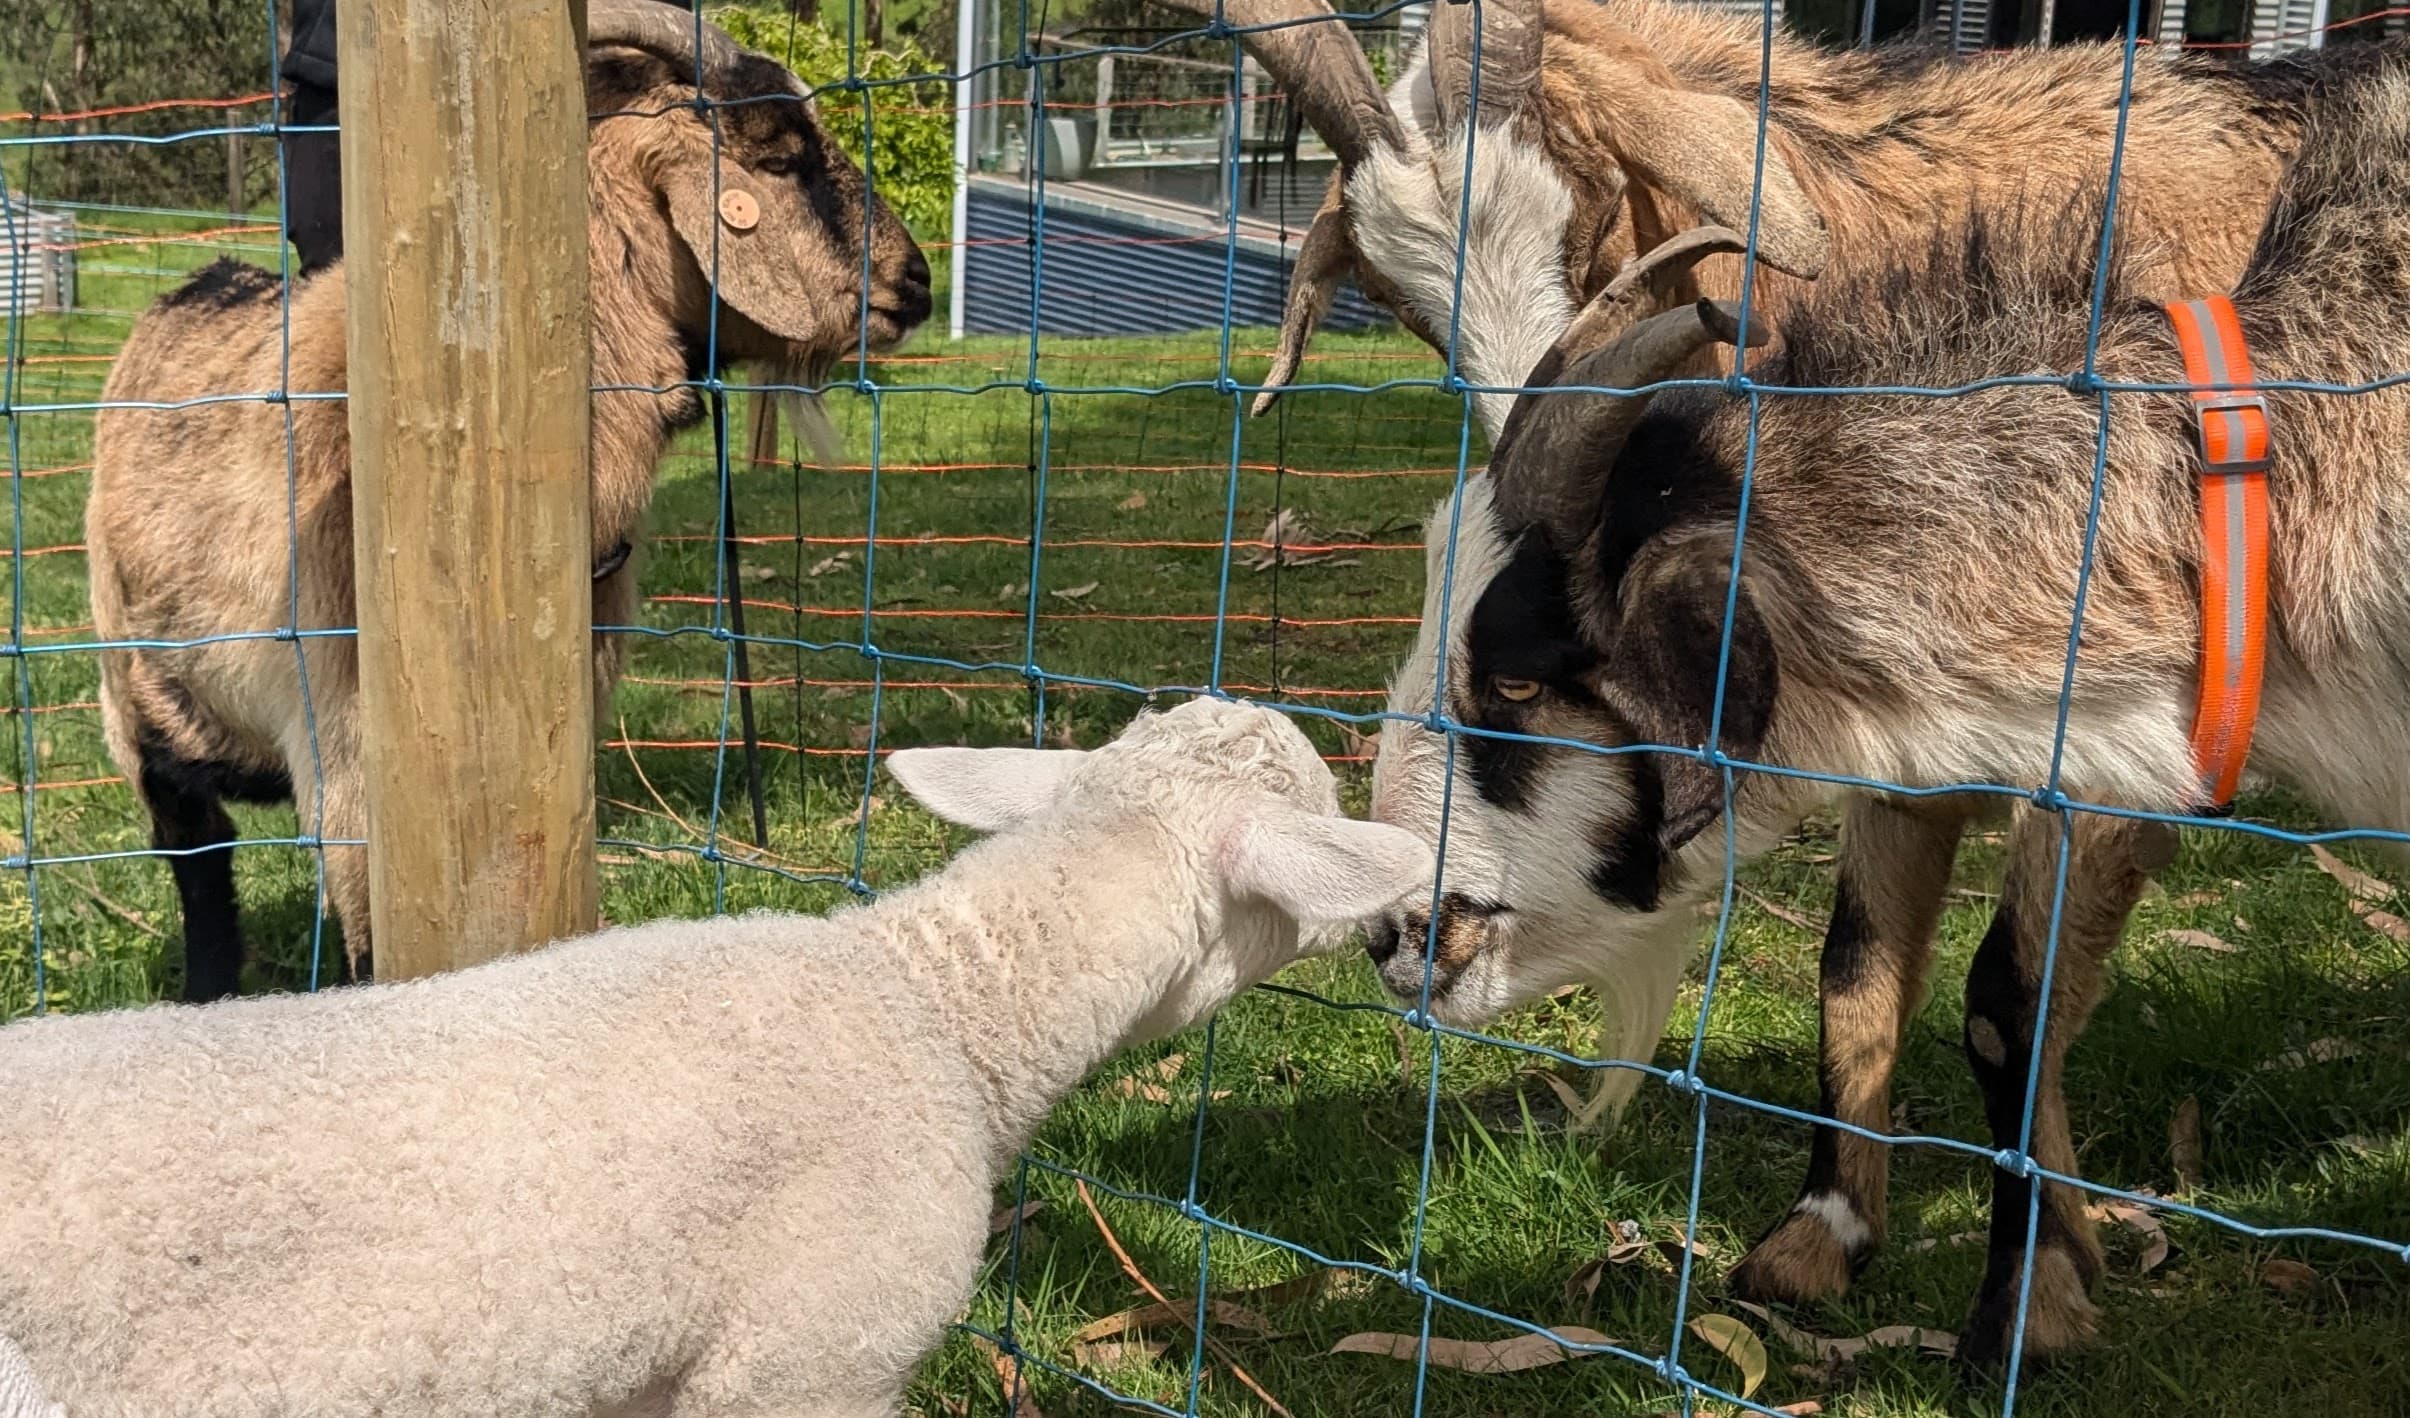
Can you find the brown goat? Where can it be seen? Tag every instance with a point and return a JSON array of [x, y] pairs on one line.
[[1903, 616], [217, 515], [1604, 129]]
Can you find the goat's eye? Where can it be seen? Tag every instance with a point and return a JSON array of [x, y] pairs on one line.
[[1516, 690], [779, 165]]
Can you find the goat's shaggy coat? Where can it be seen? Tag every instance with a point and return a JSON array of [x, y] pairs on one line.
[[1605, 129], [225, 515], [1903, 615], [733, 1166]]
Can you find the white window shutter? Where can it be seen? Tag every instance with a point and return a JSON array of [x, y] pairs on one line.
[[1753, 10], [1964, 25], [2171, 22], [2281, 26]]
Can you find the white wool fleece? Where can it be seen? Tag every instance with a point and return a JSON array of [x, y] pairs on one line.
[[730, 1166]]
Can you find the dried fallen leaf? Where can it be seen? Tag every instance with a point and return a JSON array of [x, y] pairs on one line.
[[1781, 912], [2184, 1142], [2289, 1276], [1133, 502], [1145, 1317], [1581, 1287], [1116, 1351], [827, 564], [1955, 1238], [1471, 1356], [1683, 1241], [1582, 1113], [1737, 1342], [2200, 940], [2360, 885], [1140, 1088], [1007, 1217], [1834, 1351], [1168, 1067], [2385, 923], [1075, 593], [1804, 1408], [1008, 1373], [2140, 1219], [2316, 1051]]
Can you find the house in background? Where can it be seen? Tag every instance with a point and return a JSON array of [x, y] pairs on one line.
[[2268, 27], [1138, 190]]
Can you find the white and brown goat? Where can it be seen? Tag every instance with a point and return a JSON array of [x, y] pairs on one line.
[[1903, 616], [1602, 130], [191, 549]]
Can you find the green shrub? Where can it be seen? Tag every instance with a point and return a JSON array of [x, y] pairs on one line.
[[912, 123]]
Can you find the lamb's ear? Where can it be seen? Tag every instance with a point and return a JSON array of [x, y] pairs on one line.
[[1659, 670], [984, 789], [1323, 870]]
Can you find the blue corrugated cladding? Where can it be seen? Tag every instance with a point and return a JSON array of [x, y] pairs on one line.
[[1109, 277]]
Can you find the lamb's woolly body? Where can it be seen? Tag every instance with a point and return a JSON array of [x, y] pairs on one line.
[[696, 1167], [20, 1396]]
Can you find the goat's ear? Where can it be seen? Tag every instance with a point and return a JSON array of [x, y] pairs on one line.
[[984, 789], [1660, 671], [1701, 149], [763, 240], [1322, 870]]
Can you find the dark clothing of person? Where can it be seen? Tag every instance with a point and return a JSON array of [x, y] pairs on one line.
[[311, 57], [313, 194]]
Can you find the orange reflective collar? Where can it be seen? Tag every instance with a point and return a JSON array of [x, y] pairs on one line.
[[2233, 441]]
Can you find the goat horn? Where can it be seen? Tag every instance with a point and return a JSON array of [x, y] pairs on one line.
[[1553, 457], [1322, 260], [1510, 58], [1653, 272], [658, 28], [1321, 66]]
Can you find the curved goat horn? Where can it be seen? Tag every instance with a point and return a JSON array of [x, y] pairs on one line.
[[1323, 260], [1319, 63], [1510, 58], [1553, 457], [1652, 273], [658, 28]]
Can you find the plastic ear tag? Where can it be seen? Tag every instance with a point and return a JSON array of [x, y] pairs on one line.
[[739, 209]]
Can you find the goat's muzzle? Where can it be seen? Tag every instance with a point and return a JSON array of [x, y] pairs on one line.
[[1397, 944]]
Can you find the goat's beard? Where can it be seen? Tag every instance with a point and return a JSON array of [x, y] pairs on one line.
[[798, 378]]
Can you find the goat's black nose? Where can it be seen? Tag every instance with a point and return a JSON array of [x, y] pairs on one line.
[[1381, 940], [916, 268]]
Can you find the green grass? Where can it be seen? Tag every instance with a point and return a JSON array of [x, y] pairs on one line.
[[1319, 1140]]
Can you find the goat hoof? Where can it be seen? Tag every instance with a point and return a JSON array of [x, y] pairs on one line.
[[2060, 1319], [1798, 1261]]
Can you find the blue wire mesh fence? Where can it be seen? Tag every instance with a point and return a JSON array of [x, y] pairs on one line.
[[1004, 559]]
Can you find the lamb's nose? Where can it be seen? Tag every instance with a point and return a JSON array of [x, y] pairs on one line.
[[1381, 941]]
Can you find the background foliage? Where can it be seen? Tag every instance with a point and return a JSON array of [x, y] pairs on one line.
[[73, 56], [911, 126]]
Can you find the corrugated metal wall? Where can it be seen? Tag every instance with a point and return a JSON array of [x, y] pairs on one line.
[[1105, 276], [37, 260]]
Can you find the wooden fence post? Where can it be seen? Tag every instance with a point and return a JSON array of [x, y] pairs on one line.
[[464, 207]]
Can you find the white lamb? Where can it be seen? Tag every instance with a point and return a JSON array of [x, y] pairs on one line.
[[732, 1166]]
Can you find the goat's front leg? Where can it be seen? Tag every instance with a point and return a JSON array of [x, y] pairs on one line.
[[2110, 861], [1892, 877]]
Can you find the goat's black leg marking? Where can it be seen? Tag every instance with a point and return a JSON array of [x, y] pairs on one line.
[[1894, 874], [187, 817], [2109, 863]]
